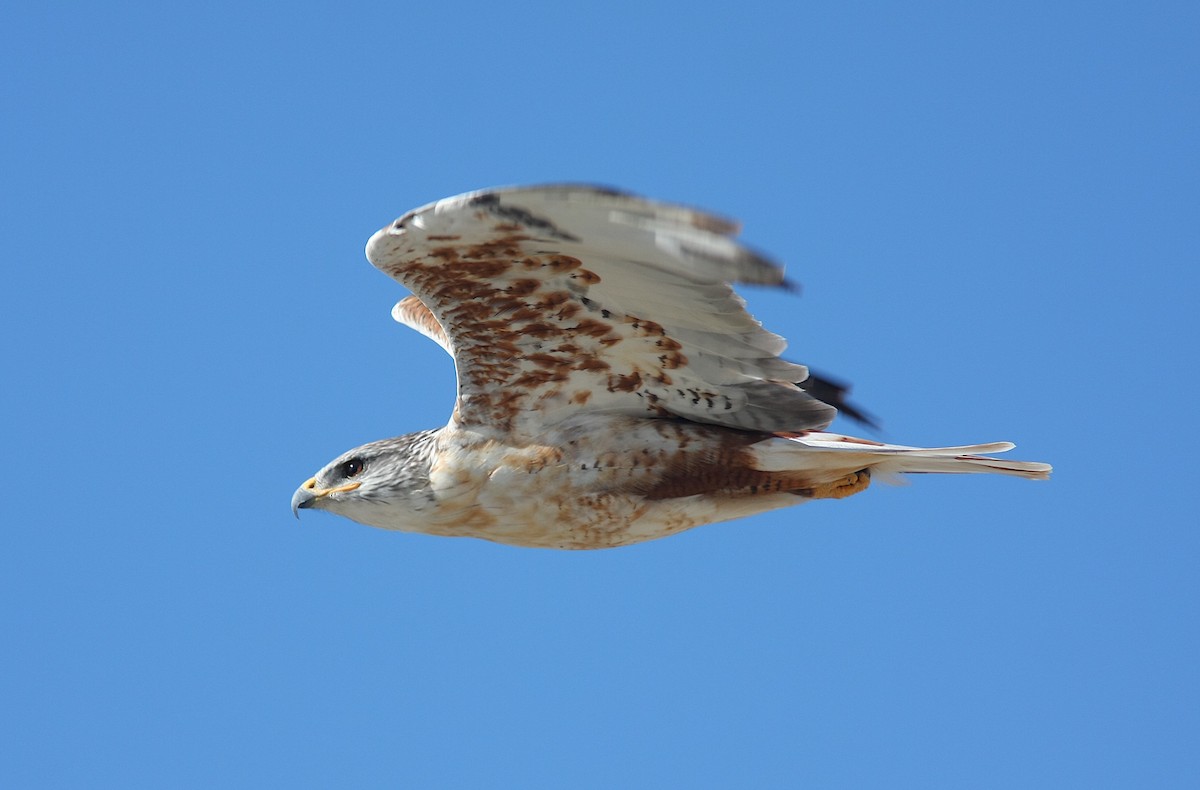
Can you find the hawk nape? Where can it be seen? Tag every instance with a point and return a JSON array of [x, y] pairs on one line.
[[612, 387]]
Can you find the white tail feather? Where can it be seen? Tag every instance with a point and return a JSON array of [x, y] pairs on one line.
[[837, 454]]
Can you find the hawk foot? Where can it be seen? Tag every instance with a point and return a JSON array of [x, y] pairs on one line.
[[844, 486]]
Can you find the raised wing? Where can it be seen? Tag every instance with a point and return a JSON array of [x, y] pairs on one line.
[[559, 299]]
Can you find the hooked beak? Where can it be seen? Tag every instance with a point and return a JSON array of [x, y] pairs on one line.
[[308, 495]]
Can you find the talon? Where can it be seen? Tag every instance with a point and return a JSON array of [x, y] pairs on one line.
[[843, 487]]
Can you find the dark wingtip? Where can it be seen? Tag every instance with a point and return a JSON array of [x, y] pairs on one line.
[[836, 394]]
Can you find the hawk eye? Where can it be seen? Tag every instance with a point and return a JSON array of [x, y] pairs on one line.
[[351, 467]]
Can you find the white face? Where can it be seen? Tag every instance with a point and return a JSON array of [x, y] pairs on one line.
[[382, 484]]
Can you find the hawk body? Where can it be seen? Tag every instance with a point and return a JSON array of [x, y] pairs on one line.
[[612, 387]]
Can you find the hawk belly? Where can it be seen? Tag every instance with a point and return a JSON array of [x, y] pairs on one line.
[[607, 481]]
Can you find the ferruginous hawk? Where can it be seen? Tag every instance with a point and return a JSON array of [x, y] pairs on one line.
[[612, 387]]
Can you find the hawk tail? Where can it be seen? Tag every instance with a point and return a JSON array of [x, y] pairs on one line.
[[836, 454]]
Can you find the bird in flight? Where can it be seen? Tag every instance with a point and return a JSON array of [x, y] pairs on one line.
[[612, 387]]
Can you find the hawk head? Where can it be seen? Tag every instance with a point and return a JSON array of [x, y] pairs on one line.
[[374, 483]]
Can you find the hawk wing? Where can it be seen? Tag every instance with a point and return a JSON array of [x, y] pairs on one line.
[[559, 299]]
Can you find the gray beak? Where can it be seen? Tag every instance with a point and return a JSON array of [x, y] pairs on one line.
[[303, 498]]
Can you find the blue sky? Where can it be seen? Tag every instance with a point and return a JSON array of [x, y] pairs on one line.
[[995, 213]]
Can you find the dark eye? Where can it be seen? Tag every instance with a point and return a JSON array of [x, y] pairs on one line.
[[351, 467]]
